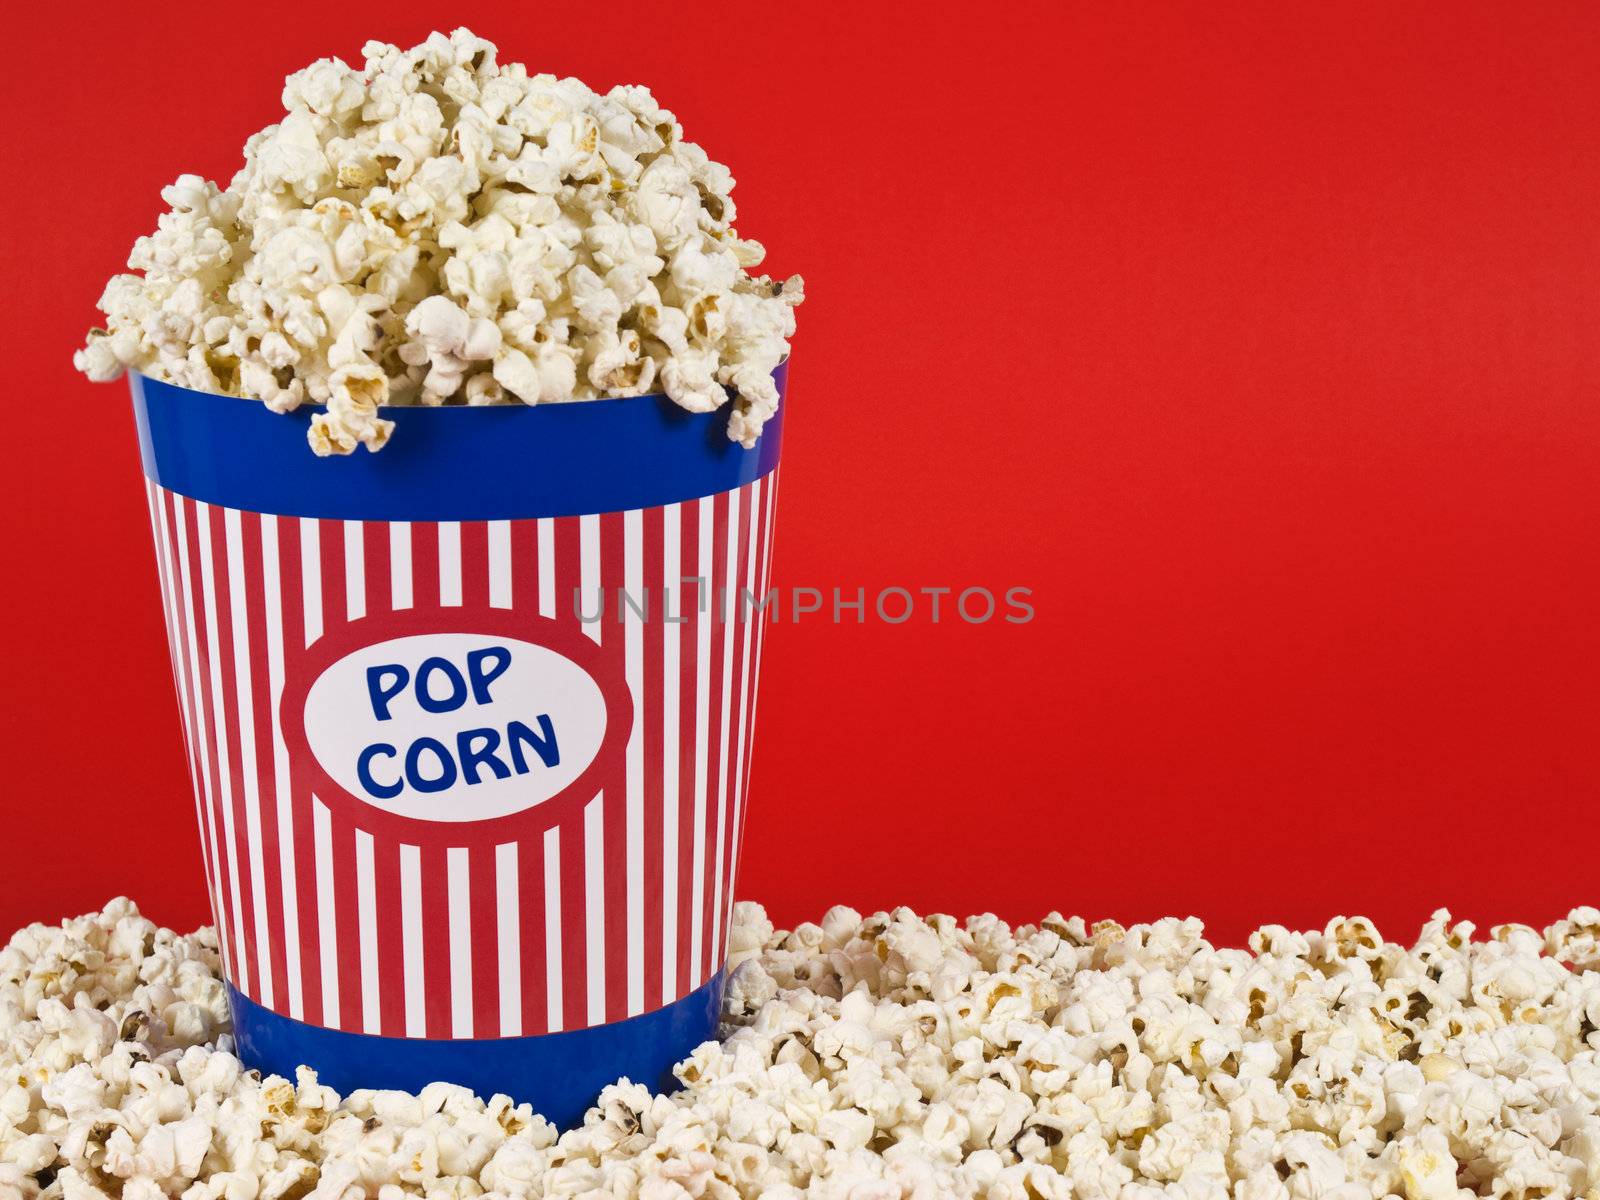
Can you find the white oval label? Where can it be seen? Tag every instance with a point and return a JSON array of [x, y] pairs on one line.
[[454, 726]]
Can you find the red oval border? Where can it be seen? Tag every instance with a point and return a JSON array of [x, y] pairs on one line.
[[302, 670]]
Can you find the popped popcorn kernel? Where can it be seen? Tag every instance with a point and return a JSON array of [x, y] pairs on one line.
[[880, 1056], [435, 228]]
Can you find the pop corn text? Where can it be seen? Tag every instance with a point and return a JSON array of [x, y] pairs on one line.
[[430, 764]]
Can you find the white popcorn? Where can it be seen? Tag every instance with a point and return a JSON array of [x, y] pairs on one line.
[[887, 1056], [434, 228]]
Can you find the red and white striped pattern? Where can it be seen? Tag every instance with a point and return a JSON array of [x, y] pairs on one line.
[[618, 910]]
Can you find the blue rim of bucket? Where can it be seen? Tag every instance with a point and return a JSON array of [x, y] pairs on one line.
[[449, 463], [559, 1074]]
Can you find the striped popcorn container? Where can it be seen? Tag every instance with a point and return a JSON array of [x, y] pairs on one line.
[[469, 723]]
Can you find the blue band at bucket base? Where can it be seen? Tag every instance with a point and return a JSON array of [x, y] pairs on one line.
[[449, 463], [559, 1074]]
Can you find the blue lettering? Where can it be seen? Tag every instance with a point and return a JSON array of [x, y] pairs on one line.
[[446, 777], [454, 699], [499, 658], [472, 757], [545, 747], [382, 693], [379, 791]]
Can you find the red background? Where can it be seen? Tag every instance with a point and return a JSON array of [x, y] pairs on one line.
[[1259, 341]]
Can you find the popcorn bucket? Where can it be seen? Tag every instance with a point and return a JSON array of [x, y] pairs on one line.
[[469, 723]]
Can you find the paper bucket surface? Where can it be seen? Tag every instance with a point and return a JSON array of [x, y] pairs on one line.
[[436, 803]]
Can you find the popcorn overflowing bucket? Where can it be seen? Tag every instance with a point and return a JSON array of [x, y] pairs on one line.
[[469, 722]]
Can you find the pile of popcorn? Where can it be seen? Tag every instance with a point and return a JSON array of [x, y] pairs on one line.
[[873, 1058], [437, 229]]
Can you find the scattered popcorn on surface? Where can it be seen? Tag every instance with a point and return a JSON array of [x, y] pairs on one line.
[[438, 229], [874, 1059]]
